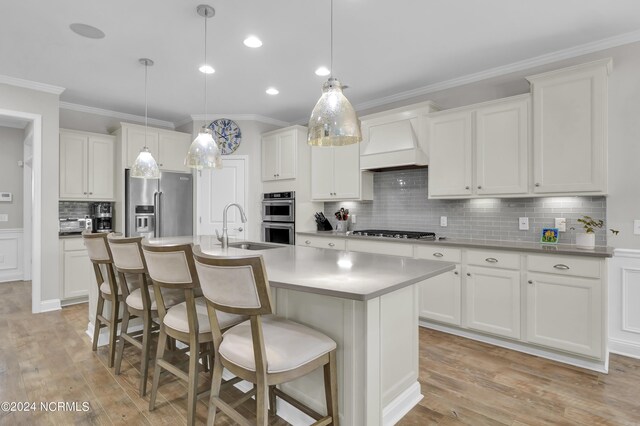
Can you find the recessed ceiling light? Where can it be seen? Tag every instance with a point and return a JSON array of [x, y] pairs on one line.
[[86, 30], [207, 69], [252, 41], [323, 71], [272, 91]]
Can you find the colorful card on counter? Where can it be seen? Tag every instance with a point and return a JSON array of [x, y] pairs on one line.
[[550, 236]]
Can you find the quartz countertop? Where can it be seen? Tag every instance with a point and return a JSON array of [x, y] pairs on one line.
[[348, 275], [524, 246]]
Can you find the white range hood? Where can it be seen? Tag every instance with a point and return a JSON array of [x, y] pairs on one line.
[[395, 138]]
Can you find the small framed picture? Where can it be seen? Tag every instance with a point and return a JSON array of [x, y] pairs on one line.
[[550, 236]]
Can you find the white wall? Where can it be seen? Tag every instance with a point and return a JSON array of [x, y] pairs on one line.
[[11, 151], [45, 104]]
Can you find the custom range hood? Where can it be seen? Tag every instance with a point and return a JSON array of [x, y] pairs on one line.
[[395, 138]]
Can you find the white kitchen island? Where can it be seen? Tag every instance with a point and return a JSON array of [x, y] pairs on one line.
[[368, 304]]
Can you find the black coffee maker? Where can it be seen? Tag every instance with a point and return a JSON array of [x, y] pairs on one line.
[[102, 217]]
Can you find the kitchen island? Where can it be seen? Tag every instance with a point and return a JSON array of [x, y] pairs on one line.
[[368, 304]]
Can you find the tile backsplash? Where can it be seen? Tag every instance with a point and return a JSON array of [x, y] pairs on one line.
[[74, 209], [400, 202]]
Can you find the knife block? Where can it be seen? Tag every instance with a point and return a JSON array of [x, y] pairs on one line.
[[324, 226]]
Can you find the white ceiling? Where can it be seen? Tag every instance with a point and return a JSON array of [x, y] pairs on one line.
[[381, 47]]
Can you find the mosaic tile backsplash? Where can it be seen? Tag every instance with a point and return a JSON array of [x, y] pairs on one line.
[[400, 202]]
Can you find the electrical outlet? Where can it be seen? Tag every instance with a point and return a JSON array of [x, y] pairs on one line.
[[523, 223], [443, 221], [4, 218], [561, 224], [636, 227], [353, 219]]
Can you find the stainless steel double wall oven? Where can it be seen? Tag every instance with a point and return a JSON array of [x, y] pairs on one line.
[[278, 217]]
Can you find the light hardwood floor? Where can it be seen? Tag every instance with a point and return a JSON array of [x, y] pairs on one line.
[[47, 357]]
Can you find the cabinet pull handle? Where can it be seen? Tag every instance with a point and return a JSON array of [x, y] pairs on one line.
[[537, 184], [331, 244], [468, 274], [307, 242], [530, 281], [561, 266], [455, 272], [491, 260], [438, 254]]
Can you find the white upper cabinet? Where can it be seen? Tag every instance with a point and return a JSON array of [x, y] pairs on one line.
[[86, 166], [168, 148], [336, 174], [480, 150], [450, 154], [279, 153], [570, 129]]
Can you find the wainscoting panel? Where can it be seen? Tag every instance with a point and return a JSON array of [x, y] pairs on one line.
[[11, 254], [624, 303]]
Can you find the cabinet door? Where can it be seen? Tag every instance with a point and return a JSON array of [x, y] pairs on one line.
[[73, 165], [502, 135], [570, 131], [565, 313], [101, 168], [77, 274], [173, 147], [346, 171], [270, 158], [135, 142], [450, 138], [440, 297], [322, 174], [287, 155], [493, 301]]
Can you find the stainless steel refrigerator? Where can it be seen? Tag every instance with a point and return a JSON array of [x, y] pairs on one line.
[[159, 207]]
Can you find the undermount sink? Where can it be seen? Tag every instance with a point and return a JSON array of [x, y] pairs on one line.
[[251, 246]]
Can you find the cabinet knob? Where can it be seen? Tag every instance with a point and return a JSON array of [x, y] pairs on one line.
[[160, 164], [331, 244], [91, 193], [468, 274], [561, 266], [530, 281], [307, 242], [479, 187], [466, 187], [491, 260], [84, 193], [437, 254], [537, 184], [455, 272], [274, 175]]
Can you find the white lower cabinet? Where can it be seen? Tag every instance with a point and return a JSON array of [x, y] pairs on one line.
[[76, 270], [322, 242], [493, 301], [440, 297], [380, 247]]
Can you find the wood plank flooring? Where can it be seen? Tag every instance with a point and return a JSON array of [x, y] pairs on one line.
[[48, 357]]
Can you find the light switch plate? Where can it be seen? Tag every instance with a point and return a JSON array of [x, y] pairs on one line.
[[353, 218], [4, 218], [636, 227], [523, 223], [443, 221], [561, 224]]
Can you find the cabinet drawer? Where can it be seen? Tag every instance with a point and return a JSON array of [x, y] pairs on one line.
[[564, 265], [73, 244], [381, 247], [494, 259], [437, 253], [322, 242]]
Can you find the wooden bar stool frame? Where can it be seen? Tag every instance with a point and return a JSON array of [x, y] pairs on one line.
[[265, 383], [148, 326]]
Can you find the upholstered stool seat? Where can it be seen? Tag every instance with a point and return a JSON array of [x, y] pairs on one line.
[[177, 319], [288, 345], [133, 282], [171, 298]]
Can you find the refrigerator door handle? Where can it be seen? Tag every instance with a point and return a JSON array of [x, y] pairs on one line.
[[156, 204], [159, 217]]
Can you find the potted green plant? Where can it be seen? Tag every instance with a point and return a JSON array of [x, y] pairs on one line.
[[587, 239]]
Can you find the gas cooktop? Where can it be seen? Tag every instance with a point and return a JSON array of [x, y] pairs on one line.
[[412, 235]]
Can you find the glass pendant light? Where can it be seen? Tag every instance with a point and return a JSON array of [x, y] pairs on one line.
[[204, 151], [145, 166], [333, 120]]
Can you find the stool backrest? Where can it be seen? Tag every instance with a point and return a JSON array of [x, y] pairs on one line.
[[128, 259], [100, 254]]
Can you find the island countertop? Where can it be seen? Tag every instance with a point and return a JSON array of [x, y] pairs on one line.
[[348, 275]]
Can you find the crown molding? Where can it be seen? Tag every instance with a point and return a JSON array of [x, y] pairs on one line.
[[33, 85], [116, 114], [234, 117], [548, 58]]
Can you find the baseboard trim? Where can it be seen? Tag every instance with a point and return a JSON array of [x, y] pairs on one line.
[[50, 305], [16, 276], [599, 366], [624, 348], [103, 338], [401, 405]]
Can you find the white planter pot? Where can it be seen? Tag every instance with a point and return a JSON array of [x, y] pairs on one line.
[[585, 241]]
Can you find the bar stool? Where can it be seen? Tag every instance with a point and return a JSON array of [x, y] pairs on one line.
[[100, 254], [172, 267], [141, 302], [266, 350]]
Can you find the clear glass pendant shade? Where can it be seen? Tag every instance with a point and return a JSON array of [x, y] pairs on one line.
[[204, 152], [145, 166], [333, 120]]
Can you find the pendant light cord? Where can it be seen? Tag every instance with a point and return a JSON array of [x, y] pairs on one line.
[[206, 16], [146, 68], [331, 26]]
